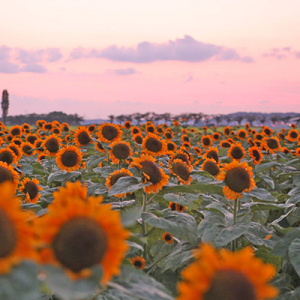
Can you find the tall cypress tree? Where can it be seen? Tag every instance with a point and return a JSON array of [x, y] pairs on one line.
[[5, 105]]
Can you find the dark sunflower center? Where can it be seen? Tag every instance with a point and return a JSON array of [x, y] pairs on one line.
[[69, 158], [83, 138], [7, 157], [31, 139], [80, 243], [286, 151], [150, 129], [238, 179], [42, 156], [211, 167], [152, 170], [173, 206], [256, 154], [27, 149], [65, 128], [135, 131], [272, 143], [168, 237], [39, 145], [138, 139], [56, 130], [153, 144], [226, 144], [127, 125], [259, 137], [109, 132], [32, 189], [114, 178], [186, 139], [182, 157], [206, 141], [168, 135], [16, 131], [159, 130], [52, 145], [227, 131], [9, 138], [40, 124], [237, 152], [213, 154], [216, 136], [267, 131], [8, 235], [18, 142], [92, 128], [137, 263], [171, 146], [281, 136], [293, 134], [242, 134], [99, 145], [48, 126], [121, 151], [230, 285], [14, 149], [181, 170]]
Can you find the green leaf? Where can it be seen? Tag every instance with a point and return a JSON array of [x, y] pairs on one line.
[[94, 160], [230, 233], [179, 224], [265, 166], [130, 216], [25, 168], [261, 194], [257, 233], [281, 247], [264, 254], [126, 184], [62, 176], [294, 254], [292, 295], [268, 180], [69, 289], [188, 200], [20, 283]]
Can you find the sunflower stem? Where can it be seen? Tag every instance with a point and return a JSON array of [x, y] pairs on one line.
[[235, 211], [144, 229]]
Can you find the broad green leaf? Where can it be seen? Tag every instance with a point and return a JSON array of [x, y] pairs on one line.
[[294, 254], [94, 160], [126, 184], [281, 247], [261, 194], [265, 166], [188, 200]]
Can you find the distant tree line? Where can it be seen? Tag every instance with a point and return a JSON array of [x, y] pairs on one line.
[[200, 119]]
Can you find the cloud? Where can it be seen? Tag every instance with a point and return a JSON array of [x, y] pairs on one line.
[[196, 102], [278, 53], [297, 54], [219, 102], [186, 49], [32, 57], [191, 78], [8, 67], [33, 68], [264, 101], [123, 72], [4, 53], [53, 54]]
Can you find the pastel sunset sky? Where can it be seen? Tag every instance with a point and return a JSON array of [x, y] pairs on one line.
[[97, 58]]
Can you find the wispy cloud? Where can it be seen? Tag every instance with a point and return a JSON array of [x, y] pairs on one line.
[[123, 72]]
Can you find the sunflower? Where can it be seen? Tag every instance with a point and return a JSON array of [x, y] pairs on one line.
[[267, 131], [91, 128], [182, 155], [80, 232], [56, 131], [152, 173], [182, 171], [113, 178], [138, 262], [1, 141], [281, 136], [109, 132], [31, 189], [8, 155], [185, 138], [222, 274], [176, 206], [150, 128], [48, 126], [242, 134], [17, 236], [256, 155], [138, 138], [69, 158], [176, 123], [41, 156], [292, 135], [127, 125], [171, 146], [238, 178], [226, 130], [216, 136], [186, 145], [31, 138], [65, 127], [192, 130], [225, 144], [38, 145], [153, 145], [135, 130], [99, 147], [236, 151], [16, 130], [258, 136], [17, 151], [51, 145], [271, 144], [120, 150], [168, 238], [285, 150], [40, 123], [206, 141], [197, 150], [211, 166], [159, 129], [250, 142], [26, 126], [297, 152], [27, 148], [82, 137], [212, 152]]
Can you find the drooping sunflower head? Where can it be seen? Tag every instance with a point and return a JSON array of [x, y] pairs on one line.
[[225, 144], [271, 144], [236, 152], [242, 134], [16, 130], [40, 123], [138, 138], [120, 151], [65, 127], [211, 166], [51, 145], [8, 155], [82, 137], [27, 149], [285, 150], [267, 131], [281, 136], [114, 177], [212, 152], [17, 141], [198, 150], [17, 151], [153, 145], [206, 141], [139, 262], [182, 155], [226, 130], [152, 173], [82, 233], [256, 155], [99, 147], [250, 142], [7, 173], [221, 274], [69, 158], [31, 189], [238, 178], [31, 138], [182, 171], [17, 236], [109, 132]]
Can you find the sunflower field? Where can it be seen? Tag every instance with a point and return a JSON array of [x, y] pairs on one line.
[[108, 212]]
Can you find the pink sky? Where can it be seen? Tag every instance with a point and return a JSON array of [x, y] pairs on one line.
[[126, 56]]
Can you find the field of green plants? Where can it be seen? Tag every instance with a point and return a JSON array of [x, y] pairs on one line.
[[149, 212]]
